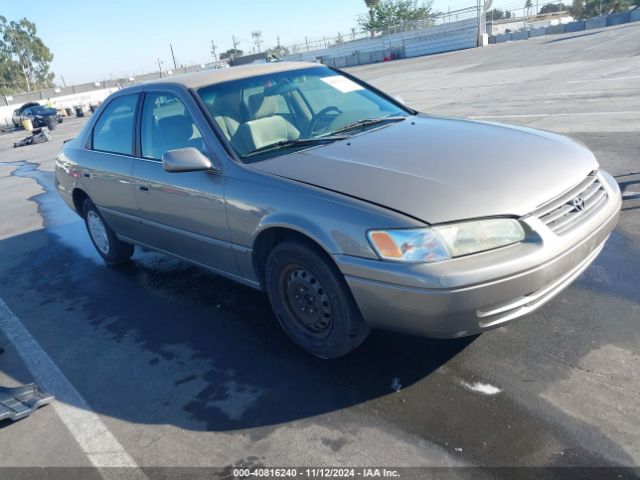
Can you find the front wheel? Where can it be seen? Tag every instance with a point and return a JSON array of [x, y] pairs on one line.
[[312, 301], [112, 250]]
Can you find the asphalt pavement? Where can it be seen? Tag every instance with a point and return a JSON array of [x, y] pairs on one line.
[[159, 363]]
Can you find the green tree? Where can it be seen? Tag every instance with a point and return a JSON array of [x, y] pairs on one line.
[[552, 8], [384, 14], [497, 14], [593, 8], [608, 6], [25, 59]]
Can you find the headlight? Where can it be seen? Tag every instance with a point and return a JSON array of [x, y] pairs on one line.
[[445, 241]]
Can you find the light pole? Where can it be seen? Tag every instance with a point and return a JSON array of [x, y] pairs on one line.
[[479, 43], [175, 67], [213, 51]]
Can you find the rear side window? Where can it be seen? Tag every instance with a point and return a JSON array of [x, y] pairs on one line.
[[113, 131]]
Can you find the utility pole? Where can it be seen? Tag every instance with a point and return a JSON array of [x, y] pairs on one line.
[[175, 67], [235, 47], [160, 67], [257, 34], [479, 23], [64, 84], [213, 51]]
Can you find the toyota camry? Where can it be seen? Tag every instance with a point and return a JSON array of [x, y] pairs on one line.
[[351, 210]]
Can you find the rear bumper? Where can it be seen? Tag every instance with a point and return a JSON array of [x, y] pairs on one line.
[[453, 306]]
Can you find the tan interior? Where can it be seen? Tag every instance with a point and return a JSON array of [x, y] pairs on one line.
[[265, 128]]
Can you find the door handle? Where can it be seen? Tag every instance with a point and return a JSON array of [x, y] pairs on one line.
[[143, 188]]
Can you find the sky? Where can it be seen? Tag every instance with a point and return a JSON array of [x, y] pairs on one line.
[[96, 40]]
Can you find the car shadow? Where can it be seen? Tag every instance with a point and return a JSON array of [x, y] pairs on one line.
[[630, 196], [190, 347], [160, 342]]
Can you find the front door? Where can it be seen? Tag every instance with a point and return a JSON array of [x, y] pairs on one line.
[[181, 213]]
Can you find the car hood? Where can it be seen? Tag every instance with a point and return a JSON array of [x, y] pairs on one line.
[[440, 169]]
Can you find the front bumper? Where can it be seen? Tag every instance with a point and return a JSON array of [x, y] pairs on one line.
[[469, 295]]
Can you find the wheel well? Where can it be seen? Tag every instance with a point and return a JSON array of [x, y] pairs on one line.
[[78, 197], [269, 238]]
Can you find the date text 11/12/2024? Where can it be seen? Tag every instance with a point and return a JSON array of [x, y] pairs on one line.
[[323, 472]]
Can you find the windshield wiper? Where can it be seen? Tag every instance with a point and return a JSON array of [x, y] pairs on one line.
[[300, 142], [367, 122]]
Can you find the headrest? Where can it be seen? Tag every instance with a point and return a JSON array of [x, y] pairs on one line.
[[121, 125], [227, 104], [175, 129], [261, 106]]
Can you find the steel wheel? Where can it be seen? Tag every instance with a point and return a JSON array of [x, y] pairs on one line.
[[312, 300], [307, 300], [108, 245], [98, 232]]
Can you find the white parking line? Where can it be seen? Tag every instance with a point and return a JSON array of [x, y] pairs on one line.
[[98, 443], [577, 114], [606, 79]]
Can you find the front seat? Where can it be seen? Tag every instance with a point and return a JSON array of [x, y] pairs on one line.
[[226, 112], [174, 132], [265, 128]]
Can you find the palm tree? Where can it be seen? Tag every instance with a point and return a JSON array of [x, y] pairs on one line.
[[577, 9], [528, 6], [371, 5]]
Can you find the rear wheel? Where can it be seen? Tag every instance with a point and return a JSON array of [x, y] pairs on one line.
[[109, 247], [312, 301]]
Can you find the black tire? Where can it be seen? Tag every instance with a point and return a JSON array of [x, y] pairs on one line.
[[294, 266], [112, 250]]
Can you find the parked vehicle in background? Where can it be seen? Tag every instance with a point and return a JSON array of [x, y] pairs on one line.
[[17, 113], [38, 114], [351, 210]]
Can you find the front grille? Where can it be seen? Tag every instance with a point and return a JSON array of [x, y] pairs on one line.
[[573, 207]]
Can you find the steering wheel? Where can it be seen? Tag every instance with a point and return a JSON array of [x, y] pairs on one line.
[[313, 125]]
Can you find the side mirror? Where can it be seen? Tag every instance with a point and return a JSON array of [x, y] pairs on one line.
[[187, 159]]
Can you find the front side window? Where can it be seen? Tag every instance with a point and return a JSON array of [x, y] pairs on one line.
[[293, 109], [166, 124], [113, 131]]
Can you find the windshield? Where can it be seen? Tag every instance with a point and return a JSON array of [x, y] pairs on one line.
[[294, 109], [42, 110]]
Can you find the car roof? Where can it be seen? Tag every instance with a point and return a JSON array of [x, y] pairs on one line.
[[209, 77]]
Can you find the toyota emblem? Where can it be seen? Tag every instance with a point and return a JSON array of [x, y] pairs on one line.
[[578, 204]]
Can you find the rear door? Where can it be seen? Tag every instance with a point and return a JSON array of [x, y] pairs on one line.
[[182, 213], [107, 164]]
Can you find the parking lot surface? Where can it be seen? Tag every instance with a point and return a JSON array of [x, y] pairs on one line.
[[159, 363]]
